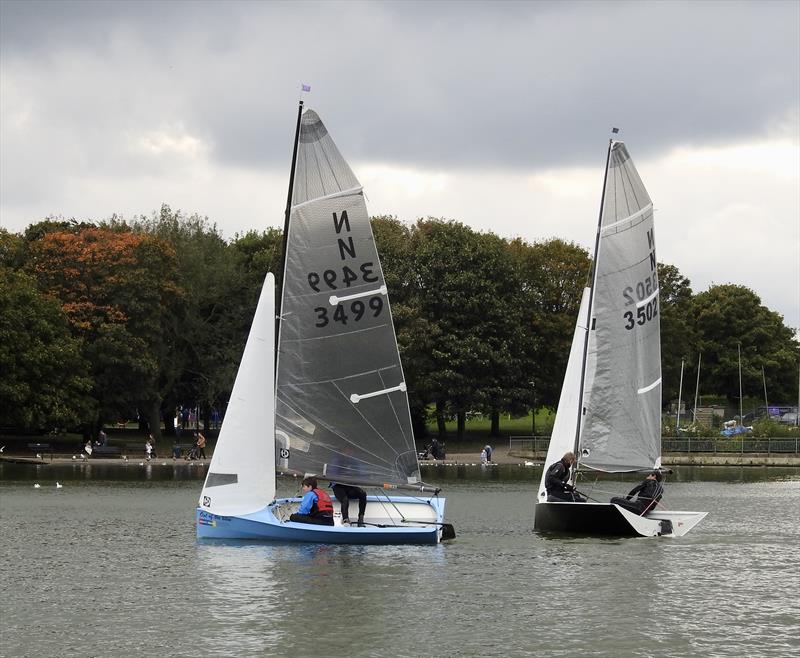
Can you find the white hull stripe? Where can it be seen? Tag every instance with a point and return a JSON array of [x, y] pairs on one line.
[[351, 191], [355, 398], [333, 300], [629, 218], [649, 388]]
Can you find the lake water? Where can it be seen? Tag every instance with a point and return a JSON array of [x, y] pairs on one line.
[[109, 566]]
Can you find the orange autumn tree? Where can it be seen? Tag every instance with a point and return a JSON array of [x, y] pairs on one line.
[[119, 292]]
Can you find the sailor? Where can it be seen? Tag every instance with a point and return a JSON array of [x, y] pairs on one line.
[[649, 493], [556, 482], [316, 506], [344, 493]]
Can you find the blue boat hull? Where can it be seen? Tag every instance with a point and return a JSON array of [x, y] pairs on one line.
[[264, 525]]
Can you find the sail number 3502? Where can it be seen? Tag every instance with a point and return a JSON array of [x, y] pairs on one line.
[[357, 310], [644, 314]]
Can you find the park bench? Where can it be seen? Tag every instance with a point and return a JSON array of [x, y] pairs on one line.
[[40, 447], [106, 451]]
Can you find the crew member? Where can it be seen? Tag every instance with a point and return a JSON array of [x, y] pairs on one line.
[[649, 493], [344, 493], [556, 482], [316, 506]]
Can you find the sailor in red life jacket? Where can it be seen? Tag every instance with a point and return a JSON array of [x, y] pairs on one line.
[[316, 506]]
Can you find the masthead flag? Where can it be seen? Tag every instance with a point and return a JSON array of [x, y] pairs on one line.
[[305, 87]]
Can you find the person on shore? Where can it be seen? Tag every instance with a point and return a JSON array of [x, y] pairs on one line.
[[316, 506], [488, 450], [102, 438], [648, 494], [176, 451], [557, 484], [150, 448], [343, 493], [200, 442]]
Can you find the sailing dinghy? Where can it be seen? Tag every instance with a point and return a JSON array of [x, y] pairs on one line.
[[335, 406], [609, 412]]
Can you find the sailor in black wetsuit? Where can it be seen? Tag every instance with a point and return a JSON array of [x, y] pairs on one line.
[[556, 482], [649, 493]]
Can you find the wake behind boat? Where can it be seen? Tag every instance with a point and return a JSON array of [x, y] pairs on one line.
[[335, 406], [609, 412]]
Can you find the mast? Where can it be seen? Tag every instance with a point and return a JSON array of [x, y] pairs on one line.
[[279, 299], [591, 303], [696, 389], [680, 390], [741, 406]]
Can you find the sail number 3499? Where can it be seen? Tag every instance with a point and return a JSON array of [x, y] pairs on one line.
[[357, 310]]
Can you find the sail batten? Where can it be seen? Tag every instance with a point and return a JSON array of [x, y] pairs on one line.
[[340, 385], [332, 195]]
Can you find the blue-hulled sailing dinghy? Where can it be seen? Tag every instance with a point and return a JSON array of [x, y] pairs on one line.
[[335, 406]]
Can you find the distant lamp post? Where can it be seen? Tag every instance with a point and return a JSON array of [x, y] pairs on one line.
[[533, 410]]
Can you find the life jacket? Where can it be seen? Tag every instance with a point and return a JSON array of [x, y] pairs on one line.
[[323, 506]]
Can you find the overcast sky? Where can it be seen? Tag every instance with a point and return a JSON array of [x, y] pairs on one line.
[[494, 114]]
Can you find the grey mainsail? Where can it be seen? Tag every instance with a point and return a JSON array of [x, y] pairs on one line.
[[622, 390], [341, 406]]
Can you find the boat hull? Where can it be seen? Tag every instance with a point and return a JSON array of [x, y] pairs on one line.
[[389, 521], [605, 519]]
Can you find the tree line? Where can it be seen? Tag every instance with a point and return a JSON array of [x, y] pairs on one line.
[[101, 321]]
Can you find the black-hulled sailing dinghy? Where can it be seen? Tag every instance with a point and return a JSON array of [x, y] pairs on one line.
[[609, 412]]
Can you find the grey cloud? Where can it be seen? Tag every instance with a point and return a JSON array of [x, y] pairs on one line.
[[469, 85]]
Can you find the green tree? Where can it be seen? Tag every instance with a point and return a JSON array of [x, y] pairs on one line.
[[118, 291], [219, 286], [678, 341], [44, 380], [553, 274], [467, 290], [728, 317]]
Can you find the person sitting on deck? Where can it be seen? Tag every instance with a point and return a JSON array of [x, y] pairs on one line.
[[649, 493], [343, 493], [556, 482], [316, 506]]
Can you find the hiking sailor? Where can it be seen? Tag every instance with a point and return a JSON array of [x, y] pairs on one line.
[[649, 493]]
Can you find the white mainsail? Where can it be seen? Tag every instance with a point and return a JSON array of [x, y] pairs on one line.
[[342, 409], [622, 389], [241, 476]]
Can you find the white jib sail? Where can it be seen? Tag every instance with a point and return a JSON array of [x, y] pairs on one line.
[[241, 477], [562, 438]]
